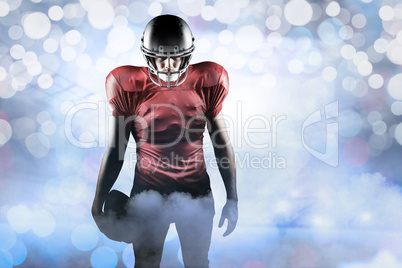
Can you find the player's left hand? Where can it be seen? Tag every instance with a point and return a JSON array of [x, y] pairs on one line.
[[230, 213]]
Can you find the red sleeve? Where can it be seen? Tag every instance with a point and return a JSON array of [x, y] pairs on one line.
[[217, 95], [116, 96], [121, 100]]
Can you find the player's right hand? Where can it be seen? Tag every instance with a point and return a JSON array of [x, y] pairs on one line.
[[99, 216]]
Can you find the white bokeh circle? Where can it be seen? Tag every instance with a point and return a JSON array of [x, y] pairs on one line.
[[298, 12], [191, 7], [101, 14], [249, 38], [36, 25]]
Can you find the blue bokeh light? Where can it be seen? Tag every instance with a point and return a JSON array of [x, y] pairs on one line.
[[350, 123], [115, 245], [84, 237], [330, 32], [128, 256], [18, 252], [6, 260], [104, 257], [8, 237]]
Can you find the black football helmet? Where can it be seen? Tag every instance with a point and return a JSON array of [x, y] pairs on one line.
[[167, 36]]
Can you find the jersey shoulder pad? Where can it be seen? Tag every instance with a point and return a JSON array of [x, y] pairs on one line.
[[210, 74], [130, 78]]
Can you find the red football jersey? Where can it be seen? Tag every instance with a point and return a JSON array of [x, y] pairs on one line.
[[168, 124]]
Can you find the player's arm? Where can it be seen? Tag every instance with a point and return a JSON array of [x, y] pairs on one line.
[[226, 163], [111, 163]]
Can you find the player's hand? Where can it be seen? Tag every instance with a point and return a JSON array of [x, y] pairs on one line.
[[230, 213], [101, 219], [97, 214]]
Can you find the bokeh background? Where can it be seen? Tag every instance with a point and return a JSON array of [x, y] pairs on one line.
[[287, 60]]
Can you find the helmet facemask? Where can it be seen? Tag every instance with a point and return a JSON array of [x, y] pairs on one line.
[[170, 78]]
